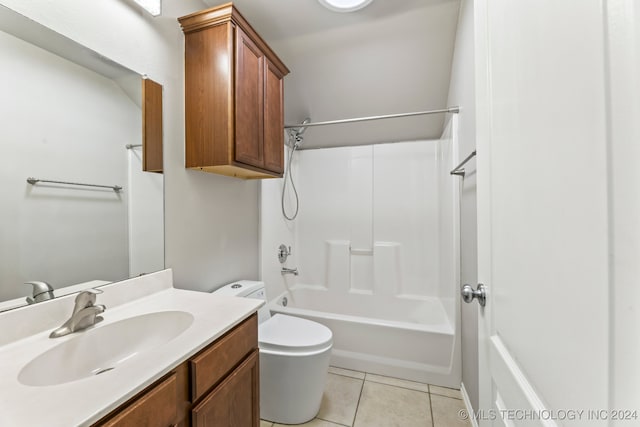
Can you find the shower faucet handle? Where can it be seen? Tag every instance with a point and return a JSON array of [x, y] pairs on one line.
[[283, 253]]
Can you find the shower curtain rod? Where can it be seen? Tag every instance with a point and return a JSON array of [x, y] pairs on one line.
[[364, 119]]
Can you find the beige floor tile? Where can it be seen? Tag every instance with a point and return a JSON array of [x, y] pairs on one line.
[[444, 391], [447, 412], [313, 423], [382, 405], [398, 382], [264, 423], [340, 399], [346, 372]]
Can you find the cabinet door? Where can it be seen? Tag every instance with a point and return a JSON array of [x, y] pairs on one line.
[[151, 126], [154, 408], [249, 101], [273, 119], [235, 402]]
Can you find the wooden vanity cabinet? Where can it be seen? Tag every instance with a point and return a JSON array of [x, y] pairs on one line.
[[235, 402], [217, 387], [233, 97], [156, 406]]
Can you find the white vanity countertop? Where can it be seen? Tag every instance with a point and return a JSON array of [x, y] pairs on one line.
[[85, 401]]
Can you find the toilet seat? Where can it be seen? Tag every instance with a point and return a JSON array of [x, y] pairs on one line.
[[291, 335]]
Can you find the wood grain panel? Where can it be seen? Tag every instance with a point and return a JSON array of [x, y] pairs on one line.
[[213, 363], [235, 402], [151, 126], [273, 119], [155, 407], [233, 99], [208, 96], [224, 13], [242, 171], [183, 396], [249, 101]]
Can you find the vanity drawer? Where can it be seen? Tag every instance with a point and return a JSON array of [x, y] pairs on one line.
[[235, 401], [156, 406], [213, 363]]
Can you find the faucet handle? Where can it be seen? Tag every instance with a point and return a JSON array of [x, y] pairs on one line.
[[42, 291], [86, 298]]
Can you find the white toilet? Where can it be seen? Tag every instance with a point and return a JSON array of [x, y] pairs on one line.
[[294, 360]]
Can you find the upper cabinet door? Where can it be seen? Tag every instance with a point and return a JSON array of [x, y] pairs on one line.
[[151, 126], [233, 97], [249, 101], [273, 118]]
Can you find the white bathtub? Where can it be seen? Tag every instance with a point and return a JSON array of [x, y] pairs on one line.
[[410, 338]]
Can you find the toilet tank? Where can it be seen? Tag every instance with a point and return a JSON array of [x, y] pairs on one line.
[[247, 289]]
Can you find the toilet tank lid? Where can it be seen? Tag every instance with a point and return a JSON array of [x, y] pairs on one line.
[[239, 288]]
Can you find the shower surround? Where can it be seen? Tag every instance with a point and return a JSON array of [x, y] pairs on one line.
[[376, 245]]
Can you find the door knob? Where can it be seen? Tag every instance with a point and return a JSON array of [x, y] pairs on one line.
[[468, 294]]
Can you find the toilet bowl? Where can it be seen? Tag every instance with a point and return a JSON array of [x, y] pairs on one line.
[[294, 360]]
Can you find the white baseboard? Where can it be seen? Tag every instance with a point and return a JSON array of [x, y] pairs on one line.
[[467, 403]]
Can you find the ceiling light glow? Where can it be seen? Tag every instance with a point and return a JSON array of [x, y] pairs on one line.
[[344, 5], [154, 7]]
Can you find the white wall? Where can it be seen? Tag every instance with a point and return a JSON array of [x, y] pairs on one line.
[[391, 57], [211, 222], [61, 122], [146, 216], [462, 94]]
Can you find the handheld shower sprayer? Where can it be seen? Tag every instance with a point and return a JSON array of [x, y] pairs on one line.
[[295, 140], [295, 135]]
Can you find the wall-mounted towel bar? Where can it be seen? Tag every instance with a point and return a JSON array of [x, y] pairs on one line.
[[459, 170], [34, 181]]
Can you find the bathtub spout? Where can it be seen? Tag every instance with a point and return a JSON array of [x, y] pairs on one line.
[[285, 270]]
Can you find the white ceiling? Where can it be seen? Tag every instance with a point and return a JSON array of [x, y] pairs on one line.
[[394, 56]]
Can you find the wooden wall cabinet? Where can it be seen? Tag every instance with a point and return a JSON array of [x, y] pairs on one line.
[[233, 97], [219, 386], [151, 126]]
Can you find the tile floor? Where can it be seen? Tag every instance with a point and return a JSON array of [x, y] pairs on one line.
[[357, 399]]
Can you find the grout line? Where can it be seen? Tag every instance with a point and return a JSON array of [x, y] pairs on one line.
[[444, 395], [355, 415], [347, 376], [332, 422], [448, 397], [394, 378], [433, 422], [397, 386]]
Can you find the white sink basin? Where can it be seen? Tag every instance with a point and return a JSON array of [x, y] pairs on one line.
[[103, 348]]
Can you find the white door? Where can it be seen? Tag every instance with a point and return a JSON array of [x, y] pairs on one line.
[[544, 212]]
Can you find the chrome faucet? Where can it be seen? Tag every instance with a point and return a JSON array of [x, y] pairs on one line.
[[85, 314], [42, 291], [286, 270]]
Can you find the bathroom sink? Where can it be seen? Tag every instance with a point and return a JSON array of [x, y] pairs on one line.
[[103, 348]]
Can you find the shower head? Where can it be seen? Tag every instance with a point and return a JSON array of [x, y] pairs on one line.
[[296, 134], [302, 129]]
